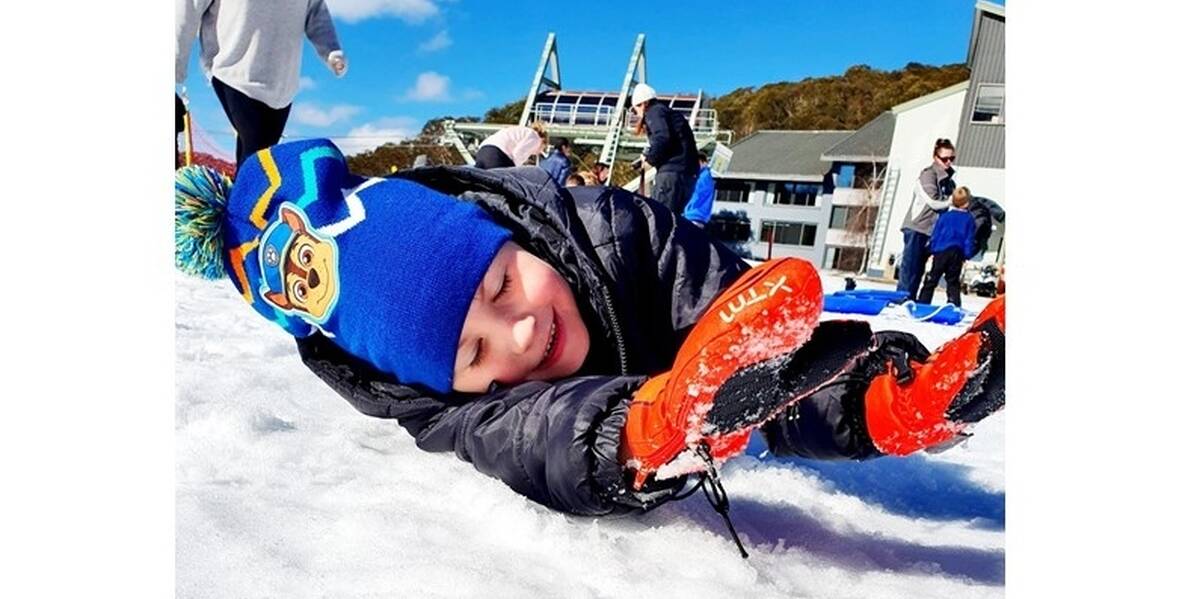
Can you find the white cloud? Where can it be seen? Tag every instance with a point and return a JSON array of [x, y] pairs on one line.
[[311, 114], [441, 41], [411, 11], [376, 133], [430, 87], [472, 94], [307, 83]]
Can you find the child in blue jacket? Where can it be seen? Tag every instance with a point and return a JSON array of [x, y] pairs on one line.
[[952, 241]]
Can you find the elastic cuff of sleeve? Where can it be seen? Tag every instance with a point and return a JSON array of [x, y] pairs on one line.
[[612, 478]]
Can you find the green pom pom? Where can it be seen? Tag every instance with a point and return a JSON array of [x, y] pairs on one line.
[[200, 204]]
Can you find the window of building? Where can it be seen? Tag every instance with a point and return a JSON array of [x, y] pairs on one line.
[[869, 175], [843, 258], [733, 190], [853, 218], [726, 226], [989, 104], [802, 234], [837, 219], [796, 194]]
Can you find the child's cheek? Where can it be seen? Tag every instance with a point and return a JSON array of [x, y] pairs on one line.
[[539, 287]]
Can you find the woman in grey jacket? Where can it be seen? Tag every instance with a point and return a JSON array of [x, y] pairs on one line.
[[931, 196], [251, 53]]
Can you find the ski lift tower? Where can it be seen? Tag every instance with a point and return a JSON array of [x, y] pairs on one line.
[[600, 119]]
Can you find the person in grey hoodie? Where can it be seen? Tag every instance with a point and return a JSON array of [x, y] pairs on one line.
[[931, 196], [251, 52]]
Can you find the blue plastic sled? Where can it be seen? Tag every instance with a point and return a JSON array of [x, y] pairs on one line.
[[894, 297], [849, 304], [942, 314]]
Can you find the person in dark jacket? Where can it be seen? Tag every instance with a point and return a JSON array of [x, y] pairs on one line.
[[986, 212], [931, 197], [952, 241], [626, 282], [671, 149], [558, 163]]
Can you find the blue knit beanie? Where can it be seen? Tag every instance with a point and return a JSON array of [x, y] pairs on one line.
[[386, 268]]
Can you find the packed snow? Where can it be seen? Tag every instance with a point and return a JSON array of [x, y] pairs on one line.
[[284, 490]]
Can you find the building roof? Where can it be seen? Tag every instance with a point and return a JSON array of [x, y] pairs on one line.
[[871, 143], [937, 95], [782, 155], [991, 7]]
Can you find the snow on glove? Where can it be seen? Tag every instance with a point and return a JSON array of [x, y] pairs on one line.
[[337, 62], [918, 402], [725, 378]]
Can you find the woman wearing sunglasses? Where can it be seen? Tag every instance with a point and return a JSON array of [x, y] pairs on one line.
[[931, 196]]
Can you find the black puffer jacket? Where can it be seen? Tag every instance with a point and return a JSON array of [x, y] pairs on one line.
[[672, 146], [985, 212], [641, 277]]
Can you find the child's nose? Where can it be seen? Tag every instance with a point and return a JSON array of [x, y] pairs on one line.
[[523, 333]]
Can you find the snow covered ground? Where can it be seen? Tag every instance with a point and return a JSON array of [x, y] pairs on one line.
[[284, 490]]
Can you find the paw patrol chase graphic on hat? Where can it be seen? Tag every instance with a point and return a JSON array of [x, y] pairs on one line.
[[299, 267], [386, 268]]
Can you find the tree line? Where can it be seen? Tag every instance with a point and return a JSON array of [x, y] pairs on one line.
[[838, 102]]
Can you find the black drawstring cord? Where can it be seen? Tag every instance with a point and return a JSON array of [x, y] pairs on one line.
[[714, 491]]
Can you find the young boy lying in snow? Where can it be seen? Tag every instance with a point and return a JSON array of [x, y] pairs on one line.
[[584, 345]]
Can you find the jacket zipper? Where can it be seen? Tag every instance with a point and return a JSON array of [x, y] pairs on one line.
[[612, 313], [616, 325]]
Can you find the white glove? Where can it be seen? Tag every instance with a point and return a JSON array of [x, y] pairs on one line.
[[337, 62]]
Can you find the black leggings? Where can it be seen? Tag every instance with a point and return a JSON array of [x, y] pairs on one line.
[[490, 156], [258, 126]]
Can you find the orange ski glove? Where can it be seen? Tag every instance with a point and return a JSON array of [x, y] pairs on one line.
[[919, 403], [745, 336]]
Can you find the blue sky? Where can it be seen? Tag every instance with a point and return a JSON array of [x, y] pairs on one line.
[[412, 60]]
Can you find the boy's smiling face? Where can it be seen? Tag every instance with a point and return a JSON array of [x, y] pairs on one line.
[[522, 325]]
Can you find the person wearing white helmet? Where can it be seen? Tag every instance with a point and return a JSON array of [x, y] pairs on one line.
[[671, 148]]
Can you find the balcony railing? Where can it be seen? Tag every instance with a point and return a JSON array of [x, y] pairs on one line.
[[593, 115], [600, 115]]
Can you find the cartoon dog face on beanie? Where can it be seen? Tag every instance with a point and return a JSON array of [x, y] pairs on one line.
[[299, 266], [384, 268]]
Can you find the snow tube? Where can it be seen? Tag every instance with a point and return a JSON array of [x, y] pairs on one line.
[[849, 304], [895, 297], [943, 314]]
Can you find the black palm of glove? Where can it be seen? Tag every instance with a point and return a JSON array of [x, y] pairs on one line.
[[755, 394], [827, 422]]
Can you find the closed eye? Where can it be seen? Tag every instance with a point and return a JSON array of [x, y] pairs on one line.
[[504, 286], [477, 359]]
